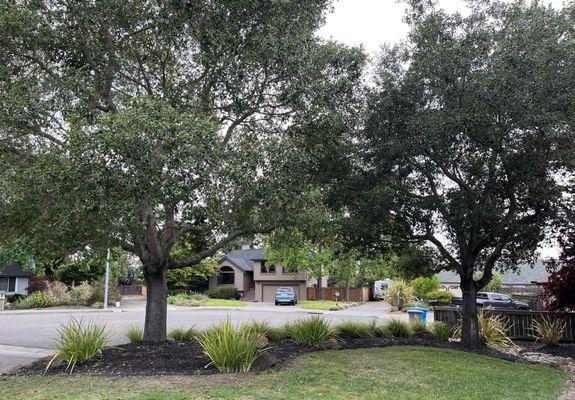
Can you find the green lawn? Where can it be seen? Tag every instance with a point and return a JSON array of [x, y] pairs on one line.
[[213, 303], [394, 373], [223, 303], [317, 304]]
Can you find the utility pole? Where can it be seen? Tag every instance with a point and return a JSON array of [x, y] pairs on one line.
[[107, 280]]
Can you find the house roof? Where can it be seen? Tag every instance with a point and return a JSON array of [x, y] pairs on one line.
[[243, 259], [525, 274], [15, 270]]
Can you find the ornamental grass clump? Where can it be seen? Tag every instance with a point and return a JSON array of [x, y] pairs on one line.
[[182, 335], [258, 328], [418, 326], [549, 330], [352, 329], [230, 349], [314, 331], [493, 329], [399, 294], [441, 331], [77, 342], [135, 334], [278, 334], [397, 328]]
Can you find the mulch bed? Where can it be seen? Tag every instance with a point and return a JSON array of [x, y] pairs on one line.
[[187, 358], [561, 350]]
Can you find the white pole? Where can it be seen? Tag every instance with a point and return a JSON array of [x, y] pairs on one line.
[[107, 281]]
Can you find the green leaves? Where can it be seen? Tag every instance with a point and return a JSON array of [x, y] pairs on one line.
[[460, 138]]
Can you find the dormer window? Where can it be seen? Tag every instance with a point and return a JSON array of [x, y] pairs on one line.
[[267, 269]]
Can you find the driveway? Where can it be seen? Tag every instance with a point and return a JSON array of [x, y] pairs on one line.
[[29, 335]]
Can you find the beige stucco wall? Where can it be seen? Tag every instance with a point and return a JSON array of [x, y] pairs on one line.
[[279, 274], [242, 280]]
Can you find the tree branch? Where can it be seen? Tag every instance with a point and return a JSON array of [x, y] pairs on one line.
[[208, 252]]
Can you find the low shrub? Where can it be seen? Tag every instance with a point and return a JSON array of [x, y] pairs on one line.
[[352, 329], [37, 284], [173, 299], [397, 328], [135, 334], [230, 349], [441, 331], [181, 334], [98, 292], [14, 298], [59, 291], [380, 331], [198, 297], [494, 284], [422, 286], [230, 293], [417, 326], [398, 294], [81, 294], [443, 297], [549, 330], [36, 300], [97, 304], [492, 329], [278, 334], [314, 331], [260, 328], [78, 342]]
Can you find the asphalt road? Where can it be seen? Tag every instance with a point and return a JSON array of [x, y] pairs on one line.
[[27, 336]]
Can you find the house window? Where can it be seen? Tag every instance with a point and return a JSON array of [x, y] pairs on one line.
[[7, 284], [226, 276], [267, 269]]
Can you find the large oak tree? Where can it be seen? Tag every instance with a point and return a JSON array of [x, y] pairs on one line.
[[145, 124], [462, 145]]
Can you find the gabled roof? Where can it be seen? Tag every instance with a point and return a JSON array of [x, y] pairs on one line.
[[244, 259], [525, 275], [15, 270]]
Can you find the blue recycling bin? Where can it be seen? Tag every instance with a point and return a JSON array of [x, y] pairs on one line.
[[417, 313]]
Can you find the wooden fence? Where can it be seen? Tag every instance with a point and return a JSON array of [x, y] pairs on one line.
[[132, 290], [520, 322], [355, 294]]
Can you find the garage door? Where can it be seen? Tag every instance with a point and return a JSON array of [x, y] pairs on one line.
[[269, 292]]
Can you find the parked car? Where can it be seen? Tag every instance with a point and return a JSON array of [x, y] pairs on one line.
[[286, 295], [495, 300]]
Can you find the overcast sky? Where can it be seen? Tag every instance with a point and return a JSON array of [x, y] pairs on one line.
[[374, 22]]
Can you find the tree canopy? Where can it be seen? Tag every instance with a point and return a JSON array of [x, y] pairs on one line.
[[462, 142], [141, 124]]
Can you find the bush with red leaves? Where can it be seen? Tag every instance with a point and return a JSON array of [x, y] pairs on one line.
[[559, 294], [37, 284]]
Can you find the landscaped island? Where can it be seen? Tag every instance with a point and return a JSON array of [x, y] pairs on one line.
[[410, 372]]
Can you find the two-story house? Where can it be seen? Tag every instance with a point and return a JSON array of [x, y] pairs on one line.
[[256, 279]]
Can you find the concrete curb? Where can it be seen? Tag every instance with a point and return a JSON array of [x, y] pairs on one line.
[[60, 310]]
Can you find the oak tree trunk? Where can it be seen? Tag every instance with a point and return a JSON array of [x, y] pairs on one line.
[[156, 304], [469, 322]]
